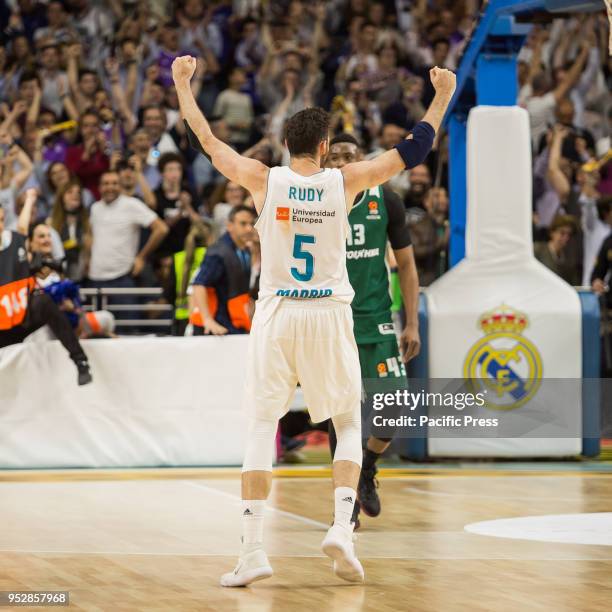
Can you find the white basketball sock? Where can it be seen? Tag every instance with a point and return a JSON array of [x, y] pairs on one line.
[[252, 523], [344, 502]]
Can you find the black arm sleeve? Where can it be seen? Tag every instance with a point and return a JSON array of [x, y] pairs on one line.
[[194, 141], [397, 230], [414, 149]]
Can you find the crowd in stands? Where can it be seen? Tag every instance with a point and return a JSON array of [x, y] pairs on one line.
[[89, 118]]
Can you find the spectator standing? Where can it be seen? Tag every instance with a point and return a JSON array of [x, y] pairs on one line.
[[221, 286], [552, 253], [429, 233], [154, 122], [54, 81], [133, 182], [173, 204], [167, 51], [595, 235], [140, 144], [83, 82], [51, 178], [602, 272], [225, 197], [70, 219], [58, 26], [386, 83], [11, 180], [204, 173], [541, 105], [420, 184], [89, 159], [236, 108], [185, 264], [116, 221], [409, 110]]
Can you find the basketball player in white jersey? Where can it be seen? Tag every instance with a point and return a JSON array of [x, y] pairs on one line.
[[303, 329]]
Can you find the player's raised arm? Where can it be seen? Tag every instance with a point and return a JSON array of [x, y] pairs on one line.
[[249, 173], [410, 152]]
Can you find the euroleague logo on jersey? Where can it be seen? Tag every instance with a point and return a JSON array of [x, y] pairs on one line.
[[373, 212], [282, 213]]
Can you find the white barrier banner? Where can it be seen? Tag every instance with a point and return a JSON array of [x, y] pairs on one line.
[[153, 402]]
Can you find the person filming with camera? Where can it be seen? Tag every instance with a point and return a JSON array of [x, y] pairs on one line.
[[24, 307]]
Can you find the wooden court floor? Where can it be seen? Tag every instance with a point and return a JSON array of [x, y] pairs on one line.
[[160, 540]]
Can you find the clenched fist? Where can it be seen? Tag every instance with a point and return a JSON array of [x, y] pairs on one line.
[[443, 80], [183, 68]]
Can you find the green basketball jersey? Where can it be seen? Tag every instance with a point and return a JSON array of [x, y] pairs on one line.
[[367, 270]]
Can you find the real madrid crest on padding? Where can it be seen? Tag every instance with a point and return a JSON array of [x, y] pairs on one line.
[[504, 363]]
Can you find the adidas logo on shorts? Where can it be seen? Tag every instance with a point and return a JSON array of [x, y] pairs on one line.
[[247, 512], [348, 499]]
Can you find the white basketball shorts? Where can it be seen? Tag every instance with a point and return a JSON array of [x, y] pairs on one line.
[[305, 341]]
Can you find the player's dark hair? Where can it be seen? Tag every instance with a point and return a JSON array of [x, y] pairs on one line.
[[238, 209], [344, 137], [305, 131]]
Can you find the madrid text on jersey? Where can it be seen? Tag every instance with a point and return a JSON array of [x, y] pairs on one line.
[[304, 293]]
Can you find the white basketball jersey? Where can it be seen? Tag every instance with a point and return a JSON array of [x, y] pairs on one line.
[[303, 228]]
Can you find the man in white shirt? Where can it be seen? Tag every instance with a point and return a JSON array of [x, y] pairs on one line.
[[116, 221]]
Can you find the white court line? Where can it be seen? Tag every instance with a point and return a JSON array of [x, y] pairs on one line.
[[313, 556], [237, 498], [471, 495]]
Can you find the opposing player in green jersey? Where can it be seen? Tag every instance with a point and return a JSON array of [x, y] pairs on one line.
[[377, 216]]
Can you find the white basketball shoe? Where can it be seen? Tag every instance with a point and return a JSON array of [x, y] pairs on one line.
[[338, 545], [252, 566]]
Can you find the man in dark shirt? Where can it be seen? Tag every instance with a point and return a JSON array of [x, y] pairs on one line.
[[221, 286]]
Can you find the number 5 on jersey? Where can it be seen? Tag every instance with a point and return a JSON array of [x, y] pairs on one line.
[[299, 252]]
